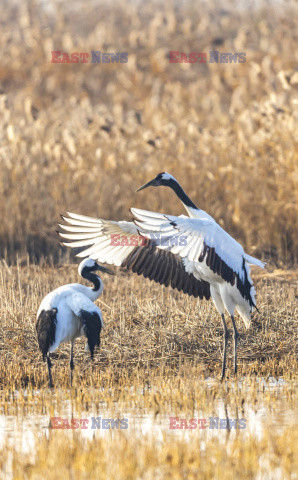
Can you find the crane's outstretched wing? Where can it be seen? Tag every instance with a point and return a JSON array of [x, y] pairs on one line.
[[120, 244], [204, 239], [207, 247]]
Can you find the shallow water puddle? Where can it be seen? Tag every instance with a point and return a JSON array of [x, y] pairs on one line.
[[223, 419]]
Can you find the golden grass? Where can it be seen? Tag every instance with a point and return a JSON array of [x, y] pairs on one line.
[[83, 137]]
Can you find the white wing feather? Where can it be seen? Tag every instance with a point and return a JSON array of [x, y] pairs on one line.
[[197, 232], [97, 235]]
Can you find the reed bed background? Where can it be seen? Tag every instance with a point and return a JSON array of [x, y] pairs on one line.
[[82, 137]]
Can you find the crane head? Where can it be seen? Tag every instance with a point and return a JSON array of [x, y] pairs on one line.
[[90, 265], [163, 178]]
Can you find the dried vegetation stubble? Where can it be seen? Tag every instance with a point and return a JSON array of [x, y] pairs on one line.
[[147, 327], [82, 137]]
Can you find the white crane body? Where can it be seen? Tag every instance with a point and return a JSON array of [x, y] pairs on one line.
[[68, 312]]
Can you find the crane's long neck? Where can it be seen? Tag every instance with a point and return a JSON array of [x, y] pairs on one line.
[[97, 284], [188, 204]]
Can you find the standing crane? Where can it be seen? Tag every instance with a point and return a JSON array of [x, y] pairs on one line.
[[193, 254], [68, 312]]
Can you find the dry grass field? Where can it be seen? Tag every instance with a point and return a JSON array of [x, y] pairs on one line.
[[160, 357], [147, 327], [83, 137]]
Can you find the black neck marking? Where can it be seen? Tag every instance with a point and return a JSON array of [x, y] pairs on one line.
[[91, 277], [174, 185]]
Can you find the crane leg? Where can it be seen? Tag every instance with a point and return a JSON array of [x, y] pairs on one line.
[[49, 363], [236, 335], [71, 363], [226, 336]]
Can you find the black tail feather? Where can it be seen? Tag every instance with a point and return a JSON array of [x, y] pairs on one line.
[[46, 329], [92, 326]]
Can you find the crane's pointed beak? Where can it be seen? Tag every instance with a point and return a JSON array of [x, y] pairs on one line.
[[149, 184], [105, 270]]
